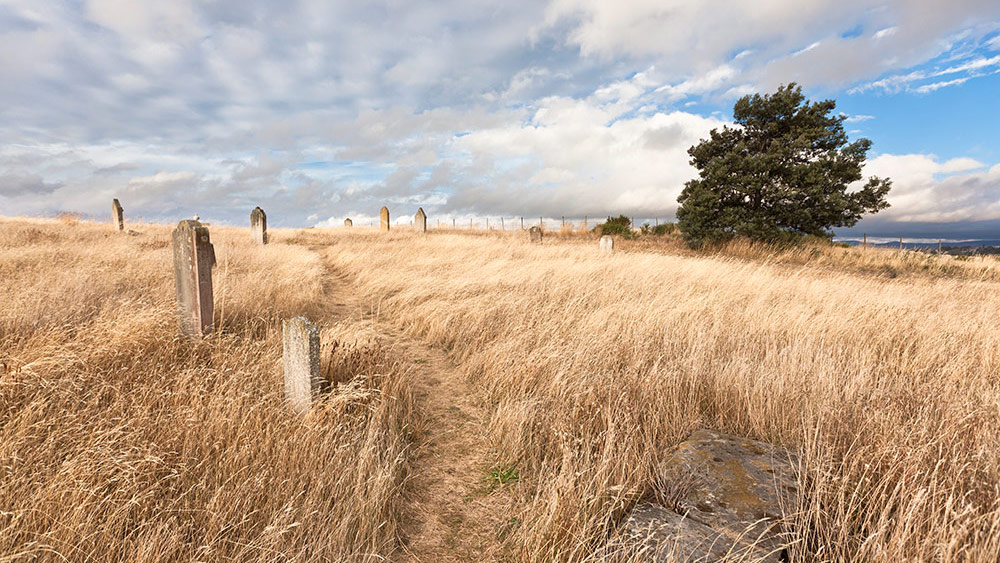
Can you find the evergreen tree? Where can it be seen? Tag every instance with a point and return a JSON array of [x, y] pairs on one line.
[[782, 172]]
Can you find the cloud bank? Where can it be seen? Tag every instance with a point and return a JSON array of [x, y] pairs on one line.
[[317, 111]]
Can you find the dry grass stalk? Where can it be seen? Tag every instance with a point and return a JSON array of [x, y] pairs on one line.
[[121, 441]]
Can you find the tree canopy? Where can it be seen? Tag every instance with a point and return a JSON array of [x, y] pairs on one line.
[[781, 172]]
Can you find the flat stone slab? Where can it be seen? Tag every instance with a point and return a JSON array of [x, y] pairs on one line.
[[730, 497]]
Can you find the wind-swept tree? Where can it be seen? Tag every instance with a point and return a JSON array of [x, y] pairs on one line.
[[783, 171]]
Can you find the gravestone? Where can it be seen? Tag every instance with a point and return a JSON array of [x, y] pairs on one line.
[[194, 257], [117, 215], [348, 222], [535, 233], [300, 360], [420, 221], [258, 225], [607, 244], [383, 219]]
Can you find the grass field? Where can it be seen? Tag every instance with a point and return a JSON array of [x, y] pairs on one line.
[[118, 440]]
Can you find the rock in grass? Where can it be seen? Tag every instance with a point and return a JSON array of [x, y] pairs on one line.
[[727, 496]]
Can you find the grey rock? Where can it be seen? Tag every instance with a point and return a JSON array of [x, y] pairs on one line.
[[727, 495], [607, 244], [535, 234]]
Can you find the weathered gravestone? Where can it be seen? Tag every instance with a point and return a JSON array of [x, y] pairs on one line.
[[300, 359], [348, 222], [728, 496], [420, 221], [194, 257], [258, 225], [535, 233], [117, 215], [607, 244], [383, 219]]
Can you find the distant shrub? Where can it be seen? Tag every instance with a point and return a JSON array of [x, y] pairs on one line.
[[616, 226], [664, 229]]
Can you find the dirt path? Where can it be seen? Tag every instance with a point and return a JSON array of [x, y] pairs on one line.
[[452, 516]]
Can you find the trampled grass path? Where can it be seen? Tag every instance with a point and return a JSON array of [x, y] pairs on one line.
[[450, 514]]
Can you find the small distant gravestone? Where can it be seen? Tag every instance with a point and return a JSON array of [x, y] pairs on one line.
[[117, 215], [383, 219], [300, 359], [348, 222], [536, 233], [258, 225], [420, 221], [194, 257], [607, 244]]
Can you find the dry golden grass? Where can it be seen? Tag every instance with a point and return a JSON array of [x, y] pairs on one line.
[[594, 366], [120, 441]]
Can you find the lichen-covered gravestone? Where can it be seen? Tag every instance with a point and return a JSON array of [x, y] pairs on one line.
[[607, 244], [728, 496], [194, 258], [383, 219], [117, 215], [258, 225], [535, 234], [300, 359], [420, 221], [348, 222]]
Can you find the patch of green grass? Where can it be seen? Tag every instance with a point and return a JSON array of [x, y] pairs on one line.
[[500, 476]]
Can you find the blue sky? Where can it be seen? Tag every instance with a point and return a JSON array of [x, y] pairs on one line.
[[319, 110]]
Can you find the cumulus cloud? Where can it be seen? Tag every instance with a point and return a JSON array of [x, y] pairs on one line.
[[927, 189], [318, 110]]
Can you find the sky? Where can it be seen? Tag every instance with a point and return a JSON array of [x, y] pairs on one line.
[[321, 110]]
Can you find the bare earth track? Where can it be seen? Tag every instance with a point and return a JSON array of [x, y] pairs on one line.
[[452, 515]]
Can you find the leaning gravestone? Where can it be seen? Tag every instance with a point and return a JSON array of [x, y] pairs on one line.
[[348, 222], [194, 257], [535, 233], [258, 225], [383, 219], [607, 244], [731, 497], [420, 221], [117, 215], [300, 359]]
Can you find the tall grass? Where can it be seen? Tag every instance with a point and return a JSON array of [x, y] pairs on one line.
[[119, 441], [594, 366]]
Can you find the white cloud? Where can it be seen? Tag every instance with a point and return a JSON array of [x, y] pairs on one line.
[[927, 189], [927, 88], [321, 109]]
